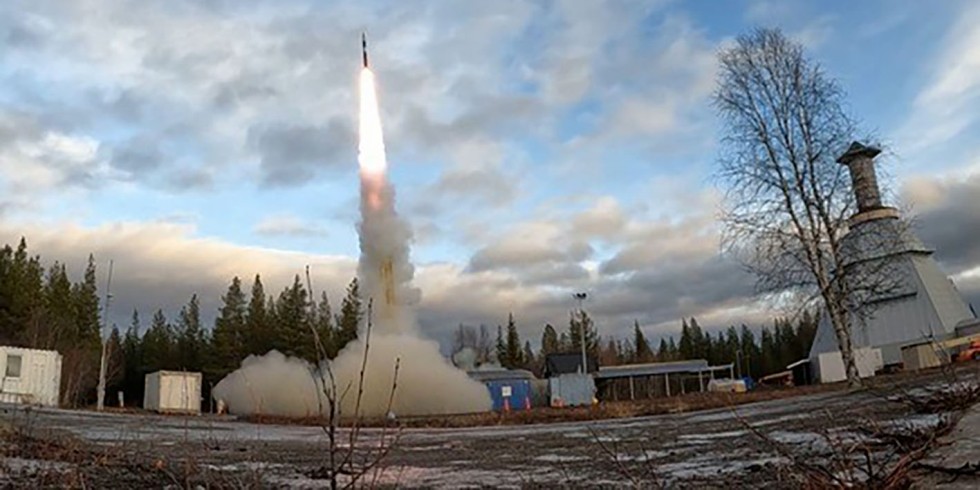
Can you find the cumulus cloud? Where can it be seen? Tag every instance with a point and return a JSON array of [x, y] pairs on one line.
[[947, 105], [291, 154], [288, 225]]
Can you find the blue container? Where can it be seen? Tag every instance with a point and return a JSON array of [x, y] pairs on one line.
[[512, 394]]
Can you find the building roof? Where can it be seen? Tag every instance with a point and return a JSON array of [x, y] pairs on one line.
[[657, 368], [567, 363], [500, 374]]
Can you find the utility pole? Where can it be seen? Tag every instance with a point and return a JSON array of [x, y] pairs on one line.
[[579, 298], [100, 405]]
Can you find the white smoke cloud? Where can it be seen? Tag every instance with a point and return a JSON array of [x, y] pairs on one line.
[[427, 383], [364, 372]]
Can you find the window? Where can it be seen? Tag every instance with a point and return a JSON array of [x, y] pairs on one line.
[[13, 366]]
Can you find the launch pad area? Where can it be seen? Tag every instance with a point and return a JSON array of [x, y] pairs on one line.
[[712, 448]]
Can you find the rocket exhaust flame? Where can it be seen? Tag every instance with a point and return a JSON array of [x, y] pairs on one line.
[[427, 383]]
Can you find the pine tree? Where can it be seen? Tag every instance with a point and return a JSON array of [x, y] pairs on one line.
[[641, 348], [663, 353], [257, 324], [8, 333], [87, 307], [323, 323], [21, 298], [578, 323], [191, 342], [770, 354], [530, 360], [674, 350], [351, 314], [293, 335], [115, 364], [158, 345], [60, 316], [501, 346], [133, 379], [751, 354], [686, 345], [699, 343], [229, 337], [514, 354], [549, 341]]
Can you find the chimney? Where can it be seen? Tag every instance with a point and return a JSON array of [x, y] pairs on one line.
[[860, 161]]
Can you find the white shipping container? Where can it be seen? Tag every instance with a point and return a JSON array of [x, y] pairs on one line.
[[30, 376], [829, 366], [173, 392]]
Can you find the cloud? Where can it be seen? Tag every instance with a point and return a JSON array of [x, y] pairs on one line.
[[137, 155], [947, 105], [288, 225], [949, 215], [160, 265], [293, 154], [35, 161]]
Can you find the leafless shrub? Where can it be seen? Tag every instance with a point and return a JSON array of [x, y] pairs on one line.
[[357, 463], [640, 472], [875, 456]]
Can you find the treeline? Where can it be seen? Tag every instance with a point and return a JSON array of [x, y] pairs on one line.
[[41, 308], [247, 324], [771, 351]]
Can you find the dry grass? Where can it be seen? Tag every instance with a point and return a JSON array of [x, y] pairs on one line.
[[545, 415], [58, 461]]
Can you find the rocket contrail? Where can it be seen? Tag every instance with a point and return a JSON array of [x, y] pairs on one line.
[[384, 270], [427, 382]]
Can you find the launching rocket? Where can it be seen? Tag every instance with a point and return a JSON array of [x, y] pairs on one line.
[[364, 48]]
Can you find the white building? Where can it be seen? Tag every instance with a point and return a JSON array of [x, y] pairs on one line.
[[923, 304], [30, 376], [173, 392]]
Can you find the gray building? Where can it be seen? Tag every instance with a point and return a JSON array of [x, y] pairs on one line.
[[921, 304]]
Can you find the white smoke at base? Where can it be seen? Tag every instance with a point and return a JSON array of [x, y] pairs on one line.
[[426, 381]]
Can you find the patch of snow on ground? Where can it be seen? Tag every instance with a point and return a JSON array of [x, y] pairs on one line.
[[20, 465], [559, 458], [650, 455], [786, 437], [710, 436], [708, 466]]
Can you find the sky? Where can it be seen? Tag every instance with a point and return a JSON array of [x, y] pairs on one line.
[[538, 148]]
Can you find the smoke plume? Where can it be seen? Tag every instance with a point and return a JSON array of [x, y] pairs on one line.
[[426, 382]]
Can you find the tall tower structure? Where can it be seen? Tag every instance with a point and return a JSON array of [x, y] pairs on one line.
[[916, 301]]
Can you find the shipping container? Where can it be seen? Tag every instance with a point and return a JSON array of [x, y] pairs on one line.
[[570, 390], [510, 389], [173, 392], [829, 366], [30, 376]]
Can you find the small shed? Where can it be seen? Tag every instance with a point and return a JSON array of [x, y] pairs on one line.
[[923, 355], [568, 363], [802, 374], [572, 389], [173, 392], [510, 389], [30, 376], [828, 367]]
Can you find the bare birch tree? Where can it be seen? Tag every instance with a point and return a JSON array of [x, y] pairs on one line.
[[786, 198]]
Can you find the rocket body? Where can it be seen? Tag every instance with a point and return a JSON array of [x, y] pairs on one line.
[[364, 49]]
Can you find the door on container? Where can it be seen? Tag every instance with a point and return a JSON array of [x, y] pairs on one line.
[[38, 382]]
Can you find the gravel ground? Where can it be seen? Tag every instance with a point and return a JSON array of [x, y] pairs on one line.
[[715, 448]]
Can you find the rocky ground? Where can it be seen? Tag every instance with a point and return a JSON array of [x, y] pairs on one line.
[[874, 437]]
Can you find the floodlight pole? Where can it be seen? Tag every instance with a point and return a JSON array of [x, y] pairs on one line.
[[580, 297], [100, 404]]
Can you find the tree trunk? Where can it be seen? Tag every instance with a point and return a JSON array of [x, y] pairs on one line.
[[839, 320]]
